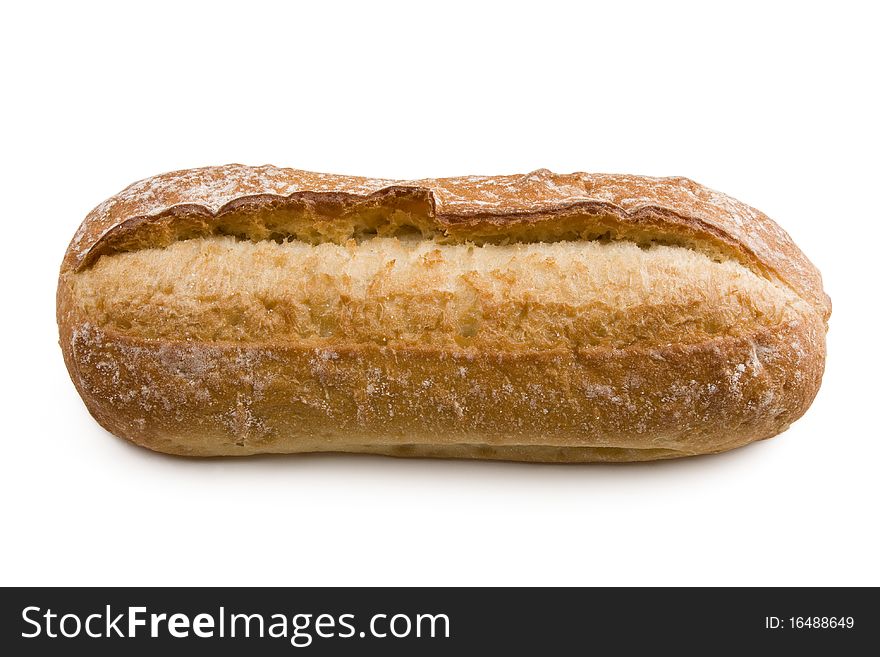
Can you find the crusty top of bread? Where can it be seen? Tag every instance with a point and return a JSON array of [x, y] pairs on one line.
[[665, 210]]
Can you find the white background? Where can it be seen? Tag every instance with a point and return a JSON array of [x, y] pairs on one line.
[[774, 104]]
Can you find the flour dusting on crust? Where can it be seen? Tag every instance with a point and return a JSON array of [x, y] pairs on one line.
[[671, 202]]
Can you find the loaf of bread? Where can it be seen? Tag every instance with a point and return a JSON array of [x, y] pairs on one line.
[[239, 310]]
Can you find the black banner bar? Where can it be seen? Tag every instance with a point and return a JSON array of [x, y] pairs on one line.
[[390, 621]]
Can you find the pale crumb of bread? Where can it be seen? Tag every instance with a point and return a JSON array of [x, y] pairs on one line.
[[407, 291]]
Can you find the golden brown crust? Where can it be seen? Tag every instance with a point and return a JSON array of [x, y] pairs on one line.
[[589, 402], [669, 207]]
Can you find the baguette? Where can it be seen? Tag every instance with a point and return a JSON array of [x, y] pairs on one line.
[[239, 310]]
